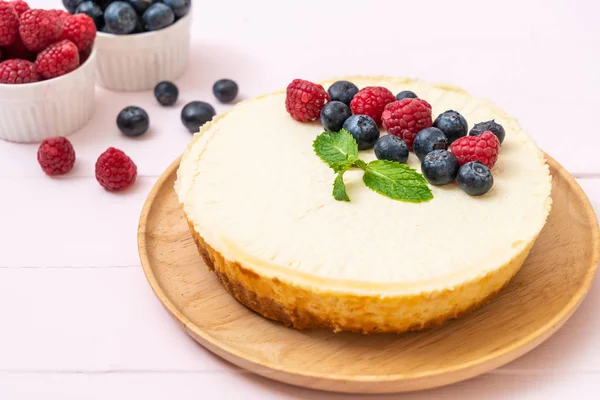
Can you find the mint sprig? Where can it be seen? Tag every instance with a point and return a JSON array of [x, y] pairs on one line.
[[394, 180]]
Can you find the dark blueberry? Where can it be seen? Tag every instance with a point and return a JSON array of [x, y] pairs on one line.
[[139, 27], [390, 147], [428, 140], [440, 167], [166, 93], [71, 5], [333, 115], [406, 94], [364, 130], [103, 3], [225, 90], [120, 18], [158, 16], [452, 124], [196, 114], [492, 126], [139, 5], [342, 91], [180, 7], [475, 178], [133, 121], [93, 11]]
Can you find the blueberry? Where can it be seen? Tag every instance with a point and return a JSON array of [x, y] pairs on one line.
[[364, 130], [120, 18], [166, 93], [180, 7], [158, 16], [225, 90], [342, 91], [333, 115], [440, 167], [475, 178], [452, 124], [71, 5], [103, 3], [406, 94], [133, 121], [196, 114], [390, 147], [492, 126], [139, 5], [428, 140], [93, 11]]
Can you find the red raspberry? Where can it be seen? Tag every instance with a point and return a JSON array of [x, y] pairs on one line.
[[405, 118], [115, 170], [484, 148], [305, 100], [18, 50], [18, 71], [79, 29], [9, 24], [57, 59], [19, 6], [371, 101], [39, 29], [59, 15], [56, 156]]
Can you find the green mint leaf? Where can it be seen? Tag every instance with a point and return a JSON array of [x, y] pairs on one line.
[[339, 188], [397, 181], [336, 148]]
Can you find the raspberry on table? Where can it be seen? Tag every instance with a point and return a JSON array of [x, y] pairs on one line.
[[305, 100], [20, 6], [484, 148], [9, 24], [57, 59], [405, 118], [79, 29], [56, 156], [371, 101], [39, 29], [115, 170], [17, 71]]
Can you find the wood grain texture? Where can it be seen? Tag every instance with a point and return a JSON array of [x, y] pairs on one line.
[[551, 284]]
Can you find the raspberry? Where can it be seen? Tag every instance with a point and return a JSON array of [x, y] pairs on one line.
[[59, 15], [56, 156], [39, 29], [19, 6], [18, 71], [9, 24], [405, 118], [305, 100], [79, 29], [115, 170], [484, 148], [57, 59], [371, 101]]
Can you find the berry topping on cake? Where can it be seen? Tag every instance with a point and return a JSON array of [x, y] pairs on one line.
[[428, 140], [9, 24], [371, 101], [343, 91], [19, 6], [196, 114], [115, 170], [305, 100], [57, 59], [39, 29], [225, 90], [56, 156], [333, 115], [364, 130], [133, 121], [166, 93], [79, 29], [18, 71], [475, 178], [452, 124], [440, 167], [406, 94], [390, 147], [157, 16], [120, 18], [484, 148], [93, 11], [491, 126], [405, 118]]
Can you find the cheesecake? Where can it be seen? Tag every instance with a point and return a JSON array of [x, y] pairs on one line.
[[259, 205]]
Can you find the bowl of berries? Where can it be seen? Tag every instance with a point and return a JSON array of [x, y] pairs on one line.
[[47, 69], [140, 42]]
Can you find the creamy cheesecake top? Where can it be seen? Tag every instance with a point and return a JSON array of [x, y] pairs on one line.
[[256, 192]]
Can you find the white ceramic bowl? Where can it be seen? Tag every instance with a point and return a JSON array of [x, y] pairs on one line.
[[56, 107], [138, 62]]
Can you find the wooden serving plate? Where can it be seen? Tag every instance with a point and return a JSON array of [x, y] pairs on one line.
[[542, 296]]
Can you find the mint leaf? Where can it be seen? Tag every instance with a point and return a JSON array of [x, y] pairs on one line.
[[339, 188], [397, 181], [336, 148]]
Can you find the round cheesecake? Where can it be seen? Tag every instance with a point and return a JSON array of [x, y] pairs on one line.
[[259, 204]]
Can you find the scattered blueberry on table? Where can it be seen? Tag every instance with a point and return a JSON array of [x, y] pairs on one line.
[[166, 93], [196, 114], [225, 90], [133, 121]]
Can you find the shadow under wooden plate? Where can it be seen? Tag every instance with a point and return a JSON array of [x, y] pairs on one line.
[[542, 296]]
